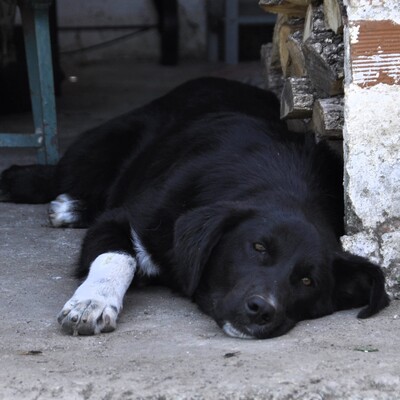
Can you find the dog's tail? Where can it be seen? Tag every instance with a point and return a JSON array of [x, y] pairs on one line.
[[31, 184]]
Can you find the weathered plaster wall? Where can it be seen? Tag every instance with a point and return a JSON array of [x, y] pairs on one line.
[[372, 133]]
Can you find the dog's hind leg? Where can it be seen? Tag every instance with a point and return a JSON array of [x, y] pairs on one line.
[[35, 184], [31, 184], [109, 263]]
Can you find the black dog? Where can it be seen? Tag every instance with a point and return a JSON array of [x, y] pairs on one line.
[[206, 190]]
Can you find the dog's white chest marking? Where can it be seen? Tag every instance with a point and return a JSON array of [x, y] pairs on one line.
[[95, 305], [145, 262]]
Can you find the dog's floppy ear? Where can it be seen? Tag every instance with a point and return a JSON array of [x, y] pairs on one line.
[[358, 282], [196, 234]]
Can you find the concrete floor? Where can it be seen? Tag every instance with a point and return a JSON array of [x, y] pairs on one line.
[[164, 348]]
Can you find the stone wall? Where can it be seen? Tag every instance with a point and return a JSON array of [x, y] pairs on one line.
[[372, 133]]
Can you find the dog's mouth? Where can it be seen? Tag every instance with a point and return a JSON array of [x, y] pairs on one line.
[[230, 330], [256, 331]]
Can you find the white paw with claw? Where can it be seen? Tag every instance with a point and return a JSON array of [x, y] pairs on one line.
[[95, 305], [89, 314]]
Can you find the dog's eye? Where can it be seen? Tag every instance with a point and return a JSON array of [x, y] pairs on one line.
[[259, 247], [306, 281]]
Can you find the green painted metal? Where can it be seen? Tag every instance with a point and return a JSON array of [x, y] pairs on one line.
[[35, 22], [28, 20], [21, 140]]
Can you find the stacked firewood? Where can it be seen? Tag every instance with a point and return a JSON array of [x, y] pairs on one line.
[[304, 63]]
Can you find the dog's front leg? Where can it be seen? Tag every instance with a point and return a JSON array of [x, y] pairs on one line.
[[96, 304]]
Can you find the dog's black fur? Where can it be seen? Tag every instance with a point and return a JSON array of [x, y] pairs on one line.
[[237, 212]]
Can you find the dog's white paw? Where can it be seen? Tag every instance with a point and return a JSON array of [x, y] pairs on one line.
[[64, 211], [85, 316], [95, 305]]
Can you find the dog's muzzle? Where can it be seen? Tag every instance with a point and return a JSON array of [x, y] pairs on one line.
[[260, 319]]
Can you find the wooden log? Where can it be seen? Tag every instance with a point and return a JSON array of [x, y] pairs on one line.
[[324, 57], [271, 60], [289, 27], [297, 67], [275, 57], [328, 117], [292, 8], [272, 75], [314, 21], [334, 12], [324, 54], [297, 98]]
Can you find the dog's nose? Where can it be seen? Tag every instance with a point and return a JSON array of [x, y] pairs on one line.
[[259, 310]]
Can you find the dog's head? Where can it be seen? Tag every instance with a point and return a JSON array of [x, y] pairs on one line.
[[257, 274]]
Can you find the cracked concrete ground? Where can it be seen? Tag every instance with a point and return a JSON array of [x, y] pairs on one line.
[[164, 348]]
